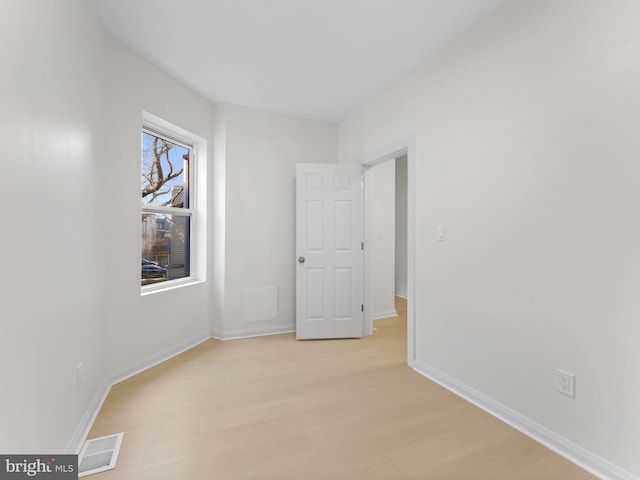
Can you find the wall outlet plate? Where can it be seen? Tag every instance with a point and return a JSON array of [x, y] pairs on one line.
[[80, 374], [566, 383]]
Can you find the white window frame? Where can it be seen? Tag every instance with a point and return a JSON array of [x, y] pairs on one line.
[[196, 211]]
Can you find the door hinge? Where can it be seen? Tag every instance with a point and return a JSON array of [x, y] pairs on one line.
[[362, 308], [362, 246]]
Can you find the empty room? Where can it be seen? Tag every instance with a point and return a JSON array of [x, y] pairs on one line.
[[378, 239]]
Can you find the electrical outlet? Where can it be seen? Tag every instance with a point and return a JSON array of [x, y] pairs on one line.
[[80, 374], [566, 383]]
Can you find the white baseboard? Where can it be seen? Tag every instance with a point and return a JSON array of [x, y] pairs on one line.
[[152, 360], [84, 427], [381, 315], [252, 332], [571, 451], [402, 295]]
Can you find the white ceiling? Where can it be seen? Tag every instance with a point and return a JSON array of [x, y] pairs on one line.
[[318, 59]]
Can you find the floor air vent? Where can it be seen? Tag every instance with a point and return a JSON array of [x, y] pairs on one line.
[[99, 454]]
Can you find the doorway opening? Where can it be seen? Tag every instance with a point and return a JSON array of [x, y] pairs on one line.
[[399, 274]]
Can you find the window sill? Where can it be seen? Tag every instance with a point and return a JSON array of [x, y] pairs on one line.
[[169, 285]]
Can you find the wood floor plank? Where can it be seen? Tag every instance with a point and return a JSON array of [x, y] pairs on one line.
[[275, 408]]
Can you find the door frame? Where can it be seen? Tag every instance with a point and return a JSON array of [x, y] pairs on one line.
[[392, 151]]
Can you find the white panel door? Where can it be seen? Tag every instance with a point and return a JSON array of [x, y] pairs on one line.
[[329, 235]]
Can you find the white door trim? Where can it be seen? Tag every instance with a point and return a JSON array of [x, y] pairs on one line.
[[390, 152]]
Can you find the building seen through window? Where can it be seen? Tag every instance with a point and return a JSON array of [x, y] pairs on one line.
[[166, 212]]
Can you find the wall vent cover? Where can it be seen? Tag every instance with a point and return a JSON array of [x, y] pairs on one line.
[[99, 454]]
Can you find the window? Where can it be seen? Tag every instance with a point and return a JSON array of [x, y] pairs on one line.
[[167, 191]]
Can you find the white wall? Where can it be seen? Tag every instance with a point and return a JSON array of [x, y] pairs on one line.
[[52, 314], [401, 273], [71, 120], [380, 237], [526, 144], [258, 162], [217, 246], [142, 327]]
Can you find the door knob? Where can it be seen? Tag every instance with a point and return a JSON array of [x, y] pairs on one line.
[[301, 259]]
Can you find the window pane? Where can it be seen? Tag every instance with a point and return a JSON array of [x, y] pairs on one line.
[[165, 172], [165, 247]]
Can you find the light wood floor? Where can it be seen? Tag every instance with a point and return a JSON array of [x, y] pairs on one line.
[[275, 408]]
